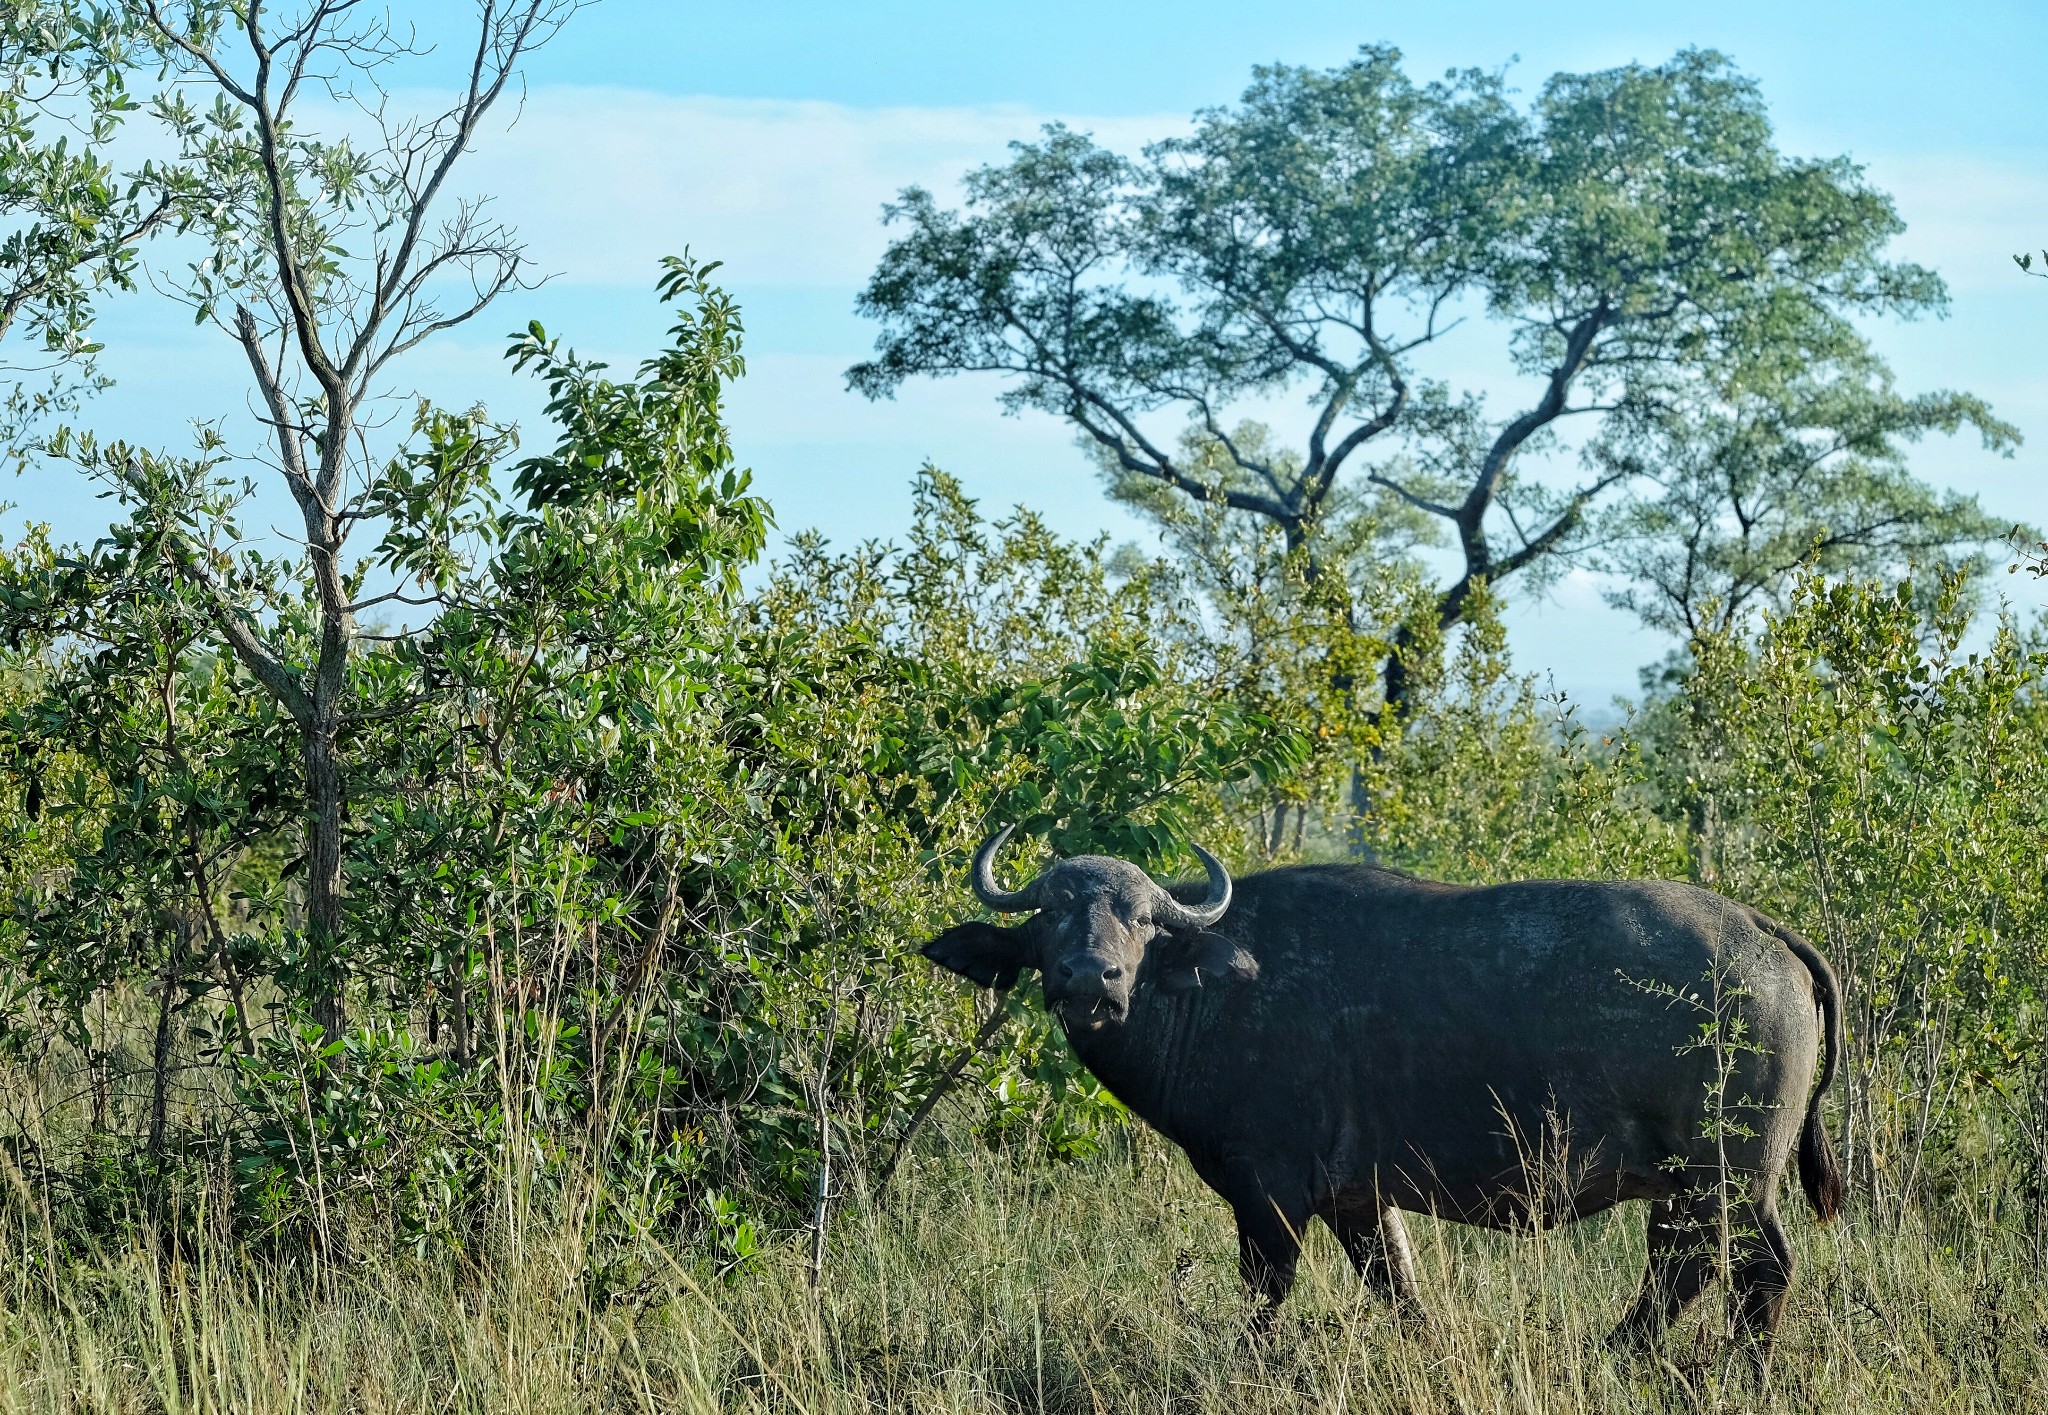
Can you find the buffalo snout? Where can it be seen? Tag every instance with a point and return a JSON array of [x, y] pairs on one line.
[[1088, 985]]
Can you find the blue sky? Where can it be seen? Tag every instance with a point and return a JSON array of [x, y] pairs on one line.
[[769, 135]]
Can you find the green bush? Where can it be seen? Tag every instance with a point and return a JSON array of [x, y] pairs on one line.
[[636, 865]]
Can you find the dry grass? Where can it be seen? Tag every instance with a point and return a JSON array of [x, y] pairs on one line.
[[976, 1286]]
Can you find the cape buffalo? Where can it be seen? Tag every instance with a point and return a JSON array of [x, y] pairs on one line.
[[1347, 1042]]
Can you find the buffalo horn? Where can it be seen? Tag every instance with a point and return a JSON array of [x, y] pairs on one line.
[[1176, 915], [983, 878]]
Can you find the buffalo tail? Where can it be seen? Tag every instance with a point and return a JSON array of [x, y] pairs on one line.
[[1820, 1173]]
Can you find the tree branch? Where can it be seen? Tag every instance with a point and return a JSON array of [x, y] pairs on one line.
[[482, 93], [1420, 503], [1578, 350], [263, 664], [281, 412], [1161, 467]]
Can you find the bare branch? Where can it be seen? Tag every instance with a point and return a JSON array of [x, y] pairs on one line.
[[205, 57], [398, 709], [263, 664], [398, 597], [1420, 503], [500, 43], [1548, 539], [274, 398], [1156, 464]]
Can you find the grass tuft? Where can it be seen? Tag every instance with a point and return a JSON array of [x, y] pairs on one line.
[[974, 1286]]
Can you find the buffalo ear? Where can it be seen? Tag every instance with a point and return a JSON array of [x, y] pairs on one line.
[[985, 953], [1191, 960]]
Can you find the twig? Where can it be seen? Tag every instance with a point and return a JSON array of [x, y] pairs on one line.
[[945, 1083]]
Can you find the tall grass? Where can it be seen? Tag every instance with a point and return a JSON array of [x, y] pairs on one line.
[[974, 1284]]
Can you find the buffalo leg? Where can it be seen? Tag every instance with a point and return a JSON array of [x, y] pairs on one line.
[[1269, 1229], [1681, 1264], [1763, 1276], [1383, 1256]]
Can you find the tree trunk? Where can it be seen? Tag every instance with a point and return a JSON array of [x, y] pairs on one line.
[[2038, 1215], [160, 1055], [99, 1064], [1276, 831], [1395, 690], [458, 1009], [1395, 685], [1704, 821], [324, 877], [822, 1200]]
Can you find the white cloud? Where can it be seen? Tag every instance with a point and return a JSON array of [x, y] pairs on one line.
[[603, 182]]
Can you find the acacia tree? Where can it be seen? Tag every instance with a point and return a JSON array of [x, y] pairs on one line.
[[1634, 239], [326, 260]]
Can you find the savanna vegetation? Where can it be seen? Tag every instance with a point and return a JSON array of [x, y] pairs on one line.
[[463, 955]]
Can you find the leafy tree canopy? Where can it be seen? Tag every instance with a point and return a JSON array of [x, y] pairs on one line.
[[1649, 260], [1732, 499]]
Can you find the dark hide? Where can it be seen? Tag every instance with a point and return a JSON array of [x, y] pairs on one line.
[[1187, 961], [1349, 1042]]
